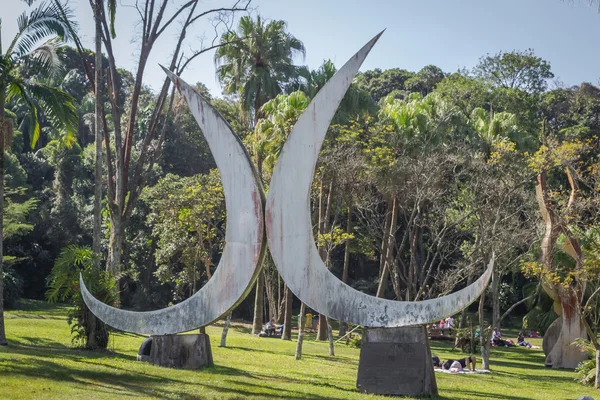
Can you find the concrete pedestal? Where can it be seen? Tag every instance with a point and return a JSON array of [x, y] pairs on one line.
[[396, 361], [181, 351]]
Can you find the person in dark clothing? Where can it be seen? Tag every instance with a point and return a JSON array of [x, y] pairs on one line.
[[467, 363], [436, 362]]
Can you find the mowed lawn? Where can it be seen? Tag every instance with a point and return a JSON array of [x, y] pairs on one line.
[[41, 364]]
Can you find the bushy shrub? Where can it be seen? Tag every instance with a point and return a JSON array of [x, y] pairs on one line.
[[13, 287], [64, 286], [586, 370]]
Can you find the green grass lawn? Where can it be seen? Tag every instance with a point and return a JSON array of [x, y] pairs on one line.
[[41, 364]]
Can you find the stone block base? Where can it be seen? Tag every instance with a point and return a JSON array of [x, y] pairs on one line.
[[396, 361], [181, 351]]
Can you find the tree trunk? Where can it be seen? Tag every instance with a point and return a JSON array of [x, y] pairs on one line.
[[323, 218], [390, 237], [115, 243], [259, 300], [98, 140], [347, 249], [225, 330], [342, 331], [301, 322], [322, 329], [495, 299], [280, 302], [287, 319], [384, 239], [564, 354], [3, 341], [270, 295], [484, 339], [91, 339], [597, 384], [330, 337]]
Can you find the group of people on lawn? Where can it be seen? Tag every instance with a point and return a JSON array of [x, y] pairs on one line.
[[447, 323], [272, 329], [498, 340]]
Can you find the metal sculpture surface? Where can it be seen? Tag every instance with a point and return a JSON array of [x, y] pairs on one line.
[[288, 229], [245, 244], [290, 234]]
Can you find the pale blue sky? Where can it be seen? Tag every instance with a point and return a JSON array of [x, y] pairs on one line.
[[449, 34]]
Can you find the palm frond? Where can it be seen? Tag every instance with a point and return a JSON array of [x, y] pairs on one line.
[[44, 59], [59, 108], [17, 90], [47, 20]]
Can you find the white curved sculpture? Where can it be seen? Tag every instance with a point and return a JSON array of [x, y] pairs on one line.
[[290, 235], [245, 244], [288, 228]]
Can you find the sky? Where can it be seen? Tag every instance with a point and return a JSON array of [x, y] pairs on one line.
[[449, 34]]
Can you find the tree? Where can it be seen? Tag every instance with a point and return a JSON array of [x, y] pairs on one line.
[[138, 148], [73, 262], [495, 216], [464, 92], [356, 102], [425, 80], [520, 70], [256, 61], [265, 145], [98, 110], [590, 309], [493, 128], [25, 52], [186, 216], [379, 83], [562, 267]]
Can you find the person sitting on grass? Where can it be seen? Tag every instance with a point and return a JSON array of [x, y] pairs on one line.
[[497, 338], [521, 340], [270, 327], [465, 363]]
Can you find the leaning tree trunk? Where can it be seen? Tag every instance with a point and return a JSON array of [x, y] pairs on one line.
[[3, 134], [301, 322], [287, 319], [258, 305]]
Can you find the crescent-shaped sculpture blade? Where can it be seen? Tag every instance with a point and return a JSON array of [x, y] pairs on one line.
[[244, 237], [290, 235]]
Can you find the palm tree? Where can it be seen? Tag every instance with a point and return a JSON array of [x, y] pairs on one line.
[[25, 54], [280, 114], [256, 61], [494, 128], [356, 102]]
